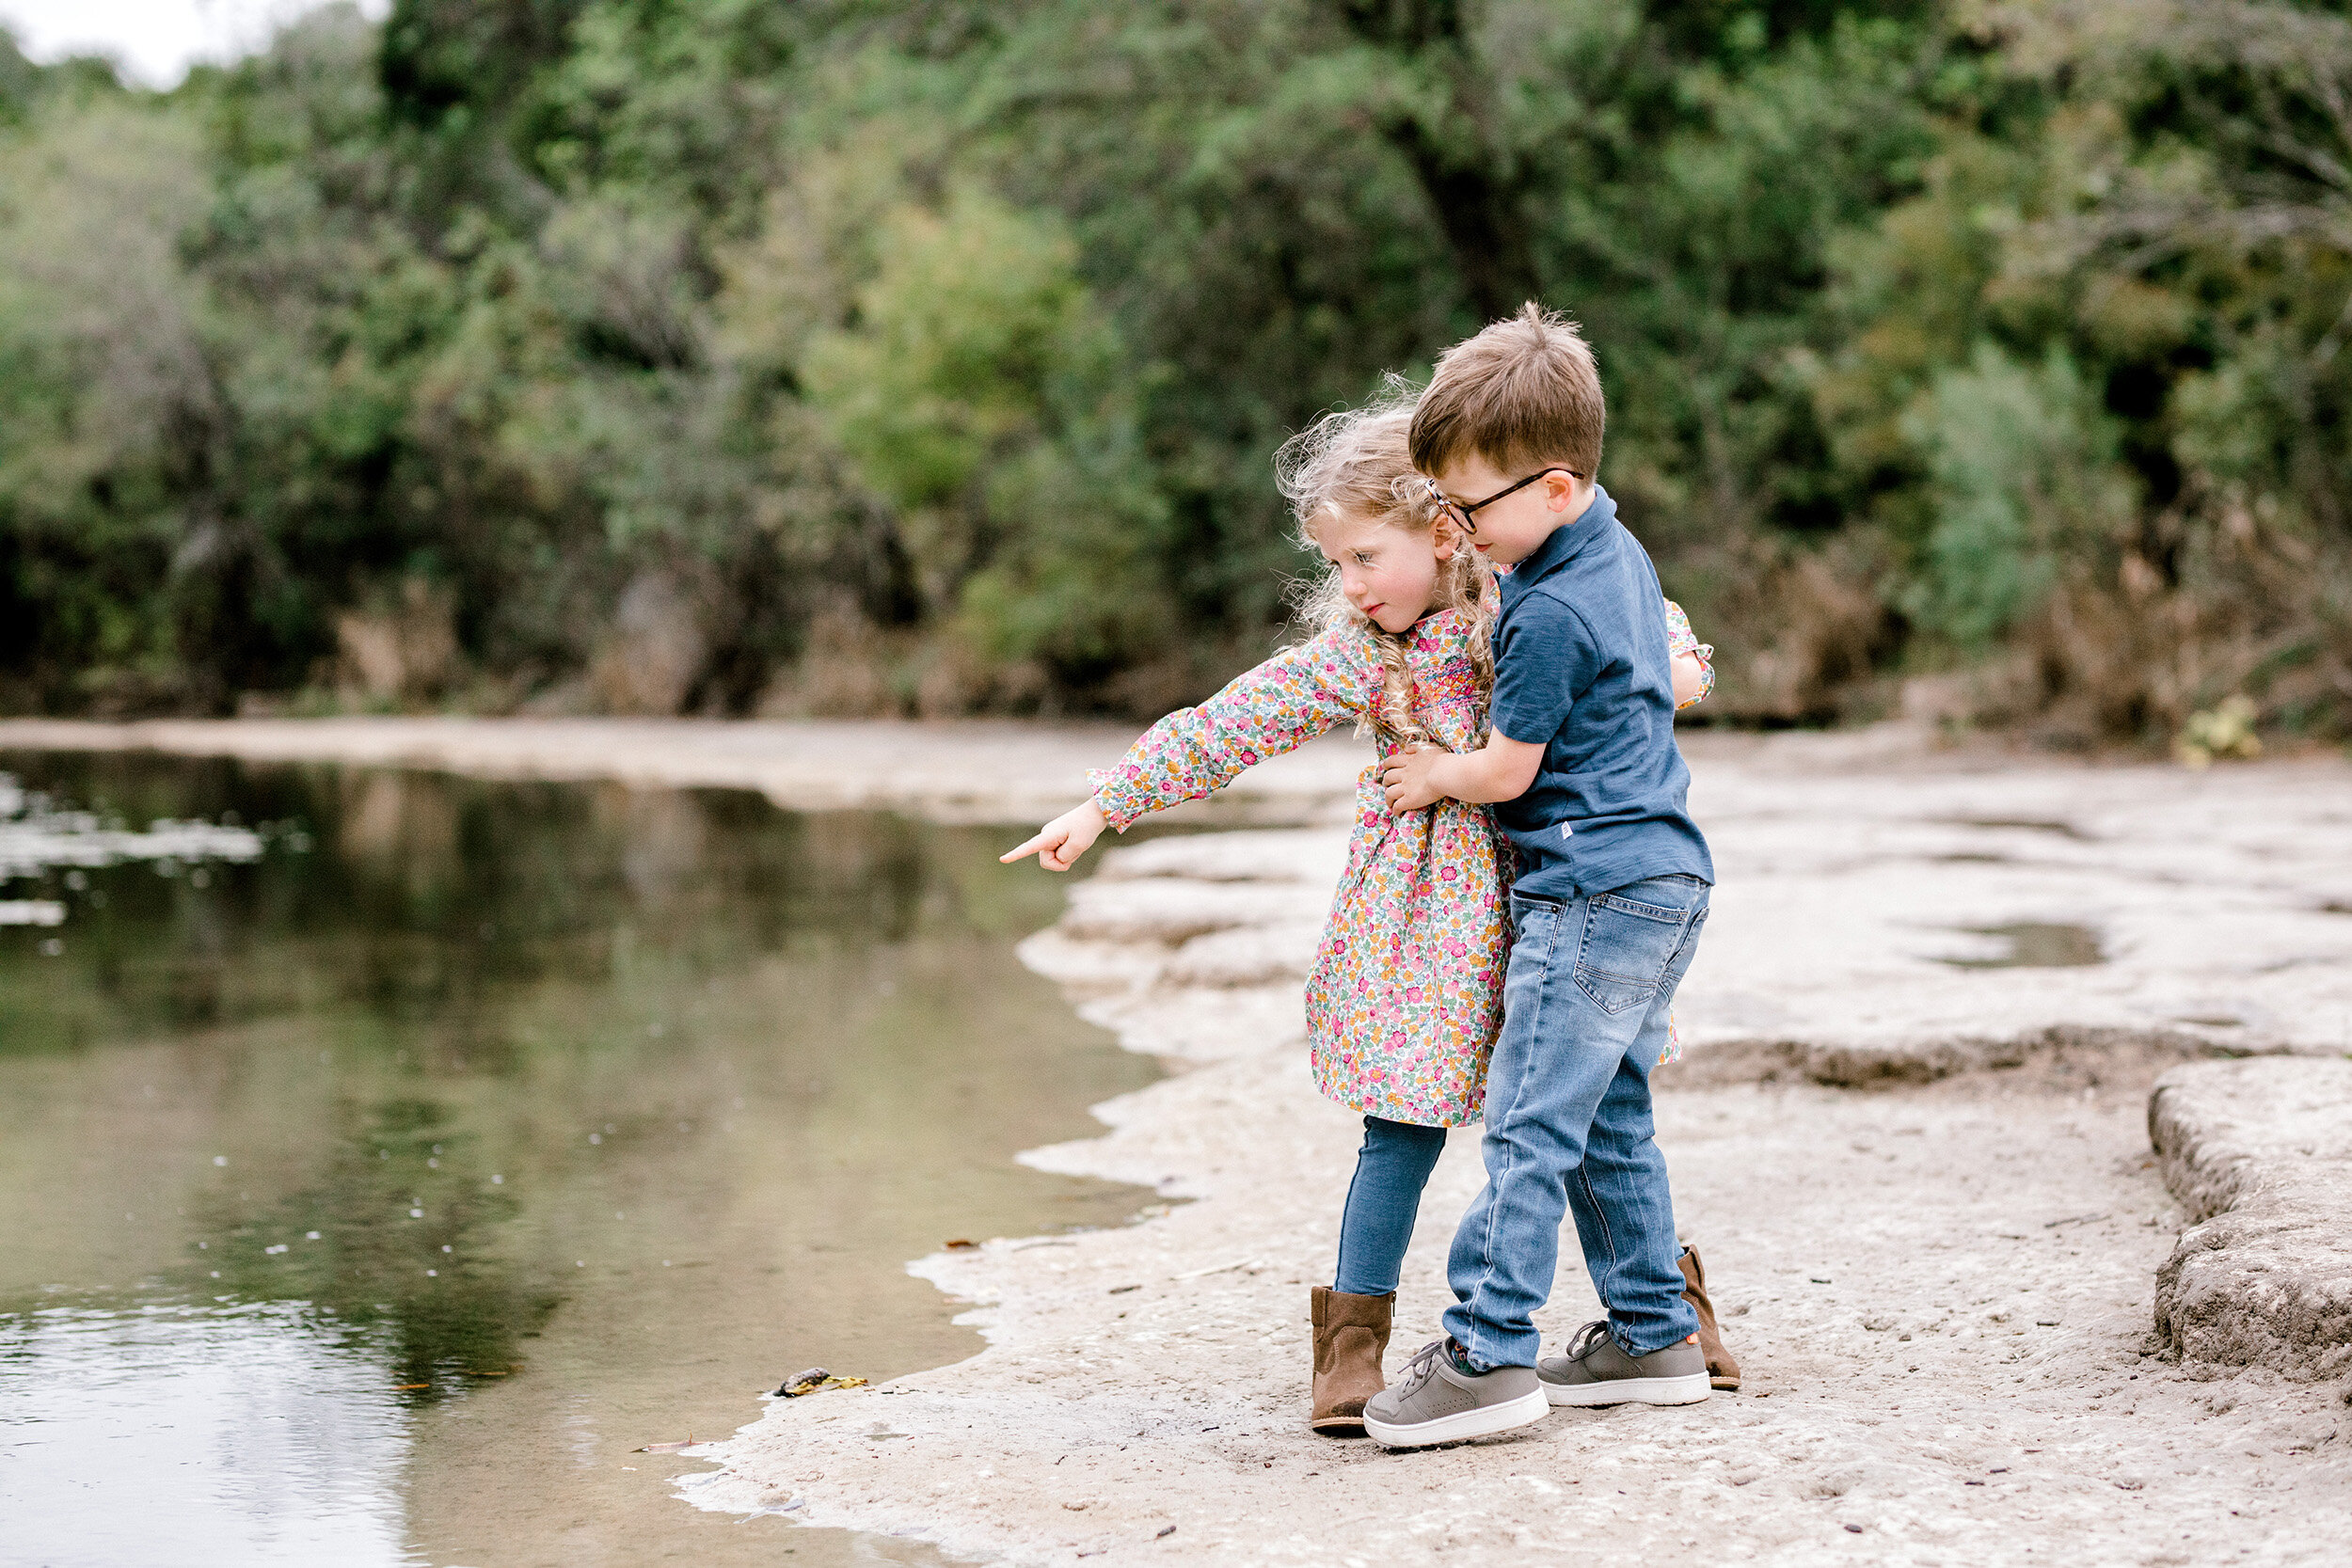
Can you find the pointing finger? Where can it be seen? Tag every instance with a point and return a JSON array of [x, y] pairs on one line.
[[1035, 844]]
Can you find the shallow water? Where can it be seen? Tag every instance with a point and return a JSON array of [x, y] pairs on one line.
[[2036, 944], [369, 1200]]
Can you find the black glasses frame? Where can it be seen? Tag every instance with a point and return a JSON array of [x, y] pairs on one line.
[[1461, 511]]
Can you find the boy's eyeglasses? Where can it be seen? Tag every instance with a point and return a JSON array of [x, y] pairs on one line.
[[1460, 512]]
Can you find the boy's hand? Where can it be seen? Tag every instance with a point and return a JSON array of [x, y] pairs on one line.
[[1060, 841], [1405, 777], [1502, 769]]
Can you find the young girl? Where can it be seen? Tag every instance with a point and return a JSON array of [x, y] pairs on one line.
[[1405, 997]]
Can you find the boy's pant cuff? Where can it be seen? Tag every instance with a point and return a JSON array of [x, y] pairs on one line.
[[1627, 1344]]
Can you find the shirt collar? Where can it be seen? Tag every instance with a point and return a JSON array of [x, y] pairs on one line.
[[1562, 546]]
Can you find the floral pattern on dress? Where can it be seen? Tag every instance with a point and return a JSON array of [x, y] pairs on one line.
[[1406, 996]]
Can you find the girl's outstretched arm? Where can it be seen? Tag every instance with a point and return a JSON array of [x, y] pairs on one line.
[[1278, 706]]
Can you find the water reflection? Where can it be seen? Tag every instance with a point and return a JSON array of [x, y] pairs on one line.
[[554, 1119], [248, 1438], [394, 1240]]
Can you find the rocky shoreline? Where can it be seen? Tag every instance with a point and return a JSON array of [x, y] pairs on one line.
[[2260, 1154], [1982, 1319]]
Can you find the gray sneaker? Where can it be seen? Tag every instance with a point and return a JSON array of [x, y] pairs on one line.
[[1597, 1371], [1440, 1400]]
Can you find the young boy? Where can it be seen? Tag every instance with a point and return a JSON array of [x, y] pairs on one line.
[[1612, 889]]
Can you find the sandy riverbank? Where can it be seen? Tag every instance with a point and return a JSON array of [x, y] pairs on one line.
[[1942, 1285]]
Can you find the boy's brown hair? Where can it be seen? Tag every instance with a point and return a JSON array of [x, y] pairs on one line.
[[1522, 394]]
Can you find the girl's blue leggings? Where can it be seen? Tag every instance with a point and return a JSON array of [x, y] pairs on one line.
[[1382, 1200]]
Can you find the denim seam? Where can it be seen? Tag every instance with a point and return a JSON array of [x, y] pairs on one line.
[[1607, 1237], [1659, 912], [1494, 1210], [1693, 919]]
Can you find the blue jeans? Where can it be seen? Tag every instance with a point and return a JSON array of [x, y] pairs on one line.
[[1377, 1223], [1585, 1004]]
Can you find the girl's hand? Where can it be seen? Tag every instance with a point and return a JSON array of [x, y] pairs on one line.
[[1060, 841], [1405, 778], [1690, 679]]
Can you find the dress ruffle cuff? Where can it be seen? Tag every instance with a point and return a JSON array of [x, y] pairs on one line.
[[1122, 794], [1706, 655]]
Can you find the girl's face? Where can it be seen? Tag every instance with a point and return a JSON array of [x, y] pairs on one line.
[[1389, 574]]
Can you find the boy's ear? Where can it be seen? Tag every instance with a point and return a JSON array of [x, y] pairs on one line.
[[1560, 489], [1447, 538]]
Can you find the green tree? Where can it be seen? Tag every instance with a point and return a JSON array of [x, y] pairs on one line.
[[892, 355]]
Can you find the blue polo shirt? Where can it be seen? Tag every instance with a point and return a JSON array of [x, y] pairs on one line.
[[1582, 666]]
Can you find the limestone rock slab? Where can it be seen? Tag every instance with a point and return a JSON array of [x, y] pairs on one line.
[[2260, 1154]]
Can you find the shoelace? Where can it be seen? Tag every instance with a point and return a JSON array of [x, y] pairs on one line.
[[1588, 1340], [1422, 1366]]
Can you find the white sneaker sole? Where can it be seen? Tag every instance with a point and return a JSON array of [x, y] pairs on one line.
[[1482, 1422], [1690, 1390]]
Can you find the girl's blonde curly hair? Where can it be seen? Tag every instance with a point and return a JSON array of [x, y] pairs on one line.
[[1356, 463]]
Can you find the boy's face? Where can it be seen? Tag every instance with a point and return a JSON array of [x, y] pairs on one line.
[[1511, 529]]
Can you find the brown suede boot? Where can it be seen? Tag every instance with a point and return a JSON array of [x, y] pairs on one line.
[[1721, 1370], [1351, 1337]]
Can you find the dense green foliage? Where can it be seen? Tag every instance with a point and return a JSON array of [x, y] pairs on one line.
[[928, 356]]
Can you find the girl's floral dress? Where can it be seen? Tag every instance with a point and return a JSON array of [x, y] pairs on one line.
[[1405, 997]]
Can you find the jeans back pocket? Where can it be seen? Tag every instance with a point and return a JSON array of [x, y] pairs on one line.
[[1625, 948]]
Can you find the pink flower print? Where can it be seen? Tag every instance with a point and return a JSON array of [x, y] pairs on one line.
[[1425, 893]]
